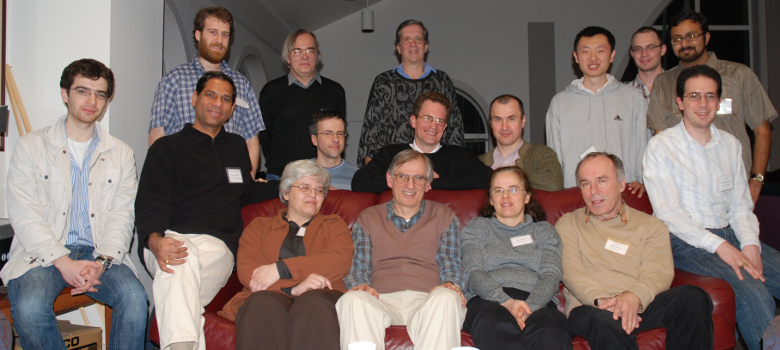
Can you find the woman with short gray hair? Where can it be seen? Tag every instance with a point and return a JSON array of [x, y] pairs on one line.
[[291, 267]]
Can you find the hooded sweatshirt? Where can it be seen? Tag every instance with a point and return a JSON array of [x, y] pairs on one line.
[[613, 120]]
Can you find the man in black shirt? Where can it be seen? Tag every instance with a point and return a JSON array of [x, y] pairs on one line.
[[188, 212], [455, 167], [288, 102]]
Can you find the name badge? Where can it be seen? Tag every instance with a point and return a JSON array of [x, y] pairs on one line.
[[301, 232], [241, 103], [725, 106], [234, 175], [588, 151], [725, 183], [616, 247], [521, 240]]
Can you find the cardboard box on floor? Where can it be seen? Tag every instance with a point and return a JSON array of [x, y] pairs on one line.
[[76, 337]]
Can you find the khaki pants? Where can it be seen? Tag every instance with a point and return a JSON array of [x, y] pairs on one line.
[[180, 298], [433, 320]]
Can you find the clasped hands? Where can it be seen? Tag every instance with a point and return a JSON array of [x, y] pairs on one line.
[[624, 306], [82, 275]]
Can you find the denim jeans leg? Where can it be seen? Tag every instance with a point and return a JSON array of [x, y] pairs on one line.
[[755, 305], [32, 296], [123, 292]]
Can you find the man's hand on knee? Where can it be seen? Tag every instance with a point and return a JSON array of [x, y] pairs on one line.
[[754, 255], [736, 259], [167, 251], [366, 288], [452, 286], [71, 273], [626, 308]]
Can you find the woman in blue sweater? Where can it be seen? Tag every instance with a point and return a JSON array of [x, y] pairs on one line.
[[512, 260]]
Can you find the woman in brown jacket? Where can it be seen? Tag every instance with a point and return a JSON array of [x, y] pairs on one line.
[[292, 266]]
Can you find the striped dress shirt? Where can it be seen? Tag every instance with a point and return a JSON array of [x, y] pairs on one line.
[[80, 230], [694, 187]]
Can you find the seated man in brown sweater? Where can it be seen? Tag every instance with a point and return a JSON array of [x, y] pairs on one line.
[[617, 269], [406, 269]]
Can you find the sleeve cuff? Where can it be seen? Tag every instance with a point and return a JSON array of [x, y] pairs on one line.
[[288, 290], [711, 242]]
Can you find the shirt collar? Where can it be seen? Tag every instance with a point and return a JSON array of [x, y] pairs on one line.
[[497, 155], [199, 136], [691, 142], [580, 85], [621, 214], [392, 216], [95, 134], [414, 147], [199, 67], [291, 79], [426, 70]]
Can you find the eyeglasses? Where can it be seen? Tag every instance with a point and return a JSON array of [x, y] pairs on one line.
[[709, 97], [648, 48], [84, 92], [330, 134], [306, 189], [419, 180], [499, 191], [418, 40], [690, 37], [428, 119], [299, 52]]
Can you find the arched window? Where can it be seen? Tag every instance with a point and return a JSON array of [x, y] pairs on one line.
[[477, 132]]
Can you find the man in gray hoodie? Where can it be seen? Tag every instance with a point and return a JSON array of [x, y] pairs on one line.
[[597, 113]]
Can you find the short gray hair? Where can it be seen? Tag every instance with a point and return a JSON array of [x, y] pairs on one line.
[[298, 170], [409, 155], [289, 44], [620, 173]]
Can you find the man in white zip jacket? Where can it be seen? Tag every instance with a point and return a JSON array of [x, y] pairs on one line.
[[71, 190]]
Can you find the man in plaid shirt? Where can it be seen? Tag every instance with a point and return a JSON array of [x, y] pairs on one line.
[[172, 107], [406, 269]]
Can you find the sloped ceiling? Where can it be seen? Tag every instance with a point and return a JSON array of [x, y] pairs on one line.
[[313, 14]]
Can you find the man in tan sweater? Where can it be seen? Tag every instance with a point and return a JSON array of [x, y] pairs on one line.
[[406, 269], [617, 269]]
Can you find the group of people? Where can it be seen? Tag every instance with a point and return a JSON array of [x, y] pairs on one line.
[[74, 200]]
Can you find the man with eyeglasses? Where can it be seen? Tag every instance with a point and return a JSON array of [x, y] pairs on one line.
[[539, 162], [617, 269], [455, 167], [696, 182], [70, 196], [288, 103], [328, 130], [597, 113], [171, 109], [406, 269], [188, 212], [647, 48], [743, 101], [393, 93]]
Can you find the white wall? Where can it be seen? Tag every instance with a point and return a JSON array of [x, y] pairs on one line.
[[482, 45]]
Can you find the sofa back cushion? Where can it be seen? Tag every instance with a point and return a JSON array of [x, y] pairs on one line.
[[465, 203], [346, 204], [555, 204]]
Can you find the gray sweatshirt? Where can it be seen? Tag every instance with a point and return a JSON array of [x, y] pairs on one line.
[[612, 120], [490, 261]]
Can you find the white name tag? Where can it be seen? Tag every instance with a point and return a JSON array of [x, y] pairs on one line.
[[725, 106], [725, 183], [588, 151], [241, 103], [521, 240], [301, 232], [616, 247], [234, 175]]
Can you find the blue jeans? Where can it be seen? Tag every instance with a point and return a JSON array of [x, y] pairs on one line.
[[755, 305], [269, 177], [32, 296]]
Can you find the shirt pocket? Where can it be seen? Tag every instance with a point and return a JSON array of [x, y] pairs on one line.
[[106, 186], [51, 189]]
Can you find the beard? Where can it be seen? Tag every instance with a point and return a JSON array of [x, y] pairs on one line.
[[690, 56], [205, 51]]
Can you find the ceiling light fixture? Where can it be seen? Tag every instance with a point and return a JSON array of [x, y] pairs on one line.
[[367, 19]]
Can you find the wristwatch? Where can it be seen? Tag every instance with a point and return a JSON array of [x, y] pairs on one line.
[[106, 261], [758, 177]]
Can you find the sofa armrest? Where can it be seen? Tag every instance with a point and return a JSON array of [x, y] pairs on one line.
[[724, 306]]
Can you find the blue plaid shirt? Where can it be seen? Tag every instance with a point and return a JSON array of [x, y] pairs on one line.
[[80, 230], [172, 107], [448, 255]]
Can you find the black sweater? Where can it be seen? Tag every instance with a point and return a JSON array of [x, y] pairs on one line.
[[287, 110], [184, 186], [458, 169]]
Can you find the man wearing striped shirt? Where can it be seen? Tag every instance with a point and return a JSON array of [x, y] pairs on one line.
[[697, 184]]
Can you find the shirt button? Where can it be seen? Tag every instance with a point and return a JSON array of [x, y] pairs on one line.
[[92, 215], [109, 180], [46, 177], [63, 213], [64, 152], [90, 184]]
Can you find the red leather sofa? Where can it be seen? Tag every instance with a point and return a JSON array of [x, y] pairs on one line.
[[220, 332]]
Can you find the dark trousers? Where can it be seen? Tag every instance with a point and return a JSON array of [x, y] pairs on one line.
[[273, 320], [685, 312], [492, 326]]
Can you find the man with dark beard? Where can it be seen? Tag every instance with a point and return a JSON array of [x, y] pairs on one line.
[[171, 109], [744, 100]]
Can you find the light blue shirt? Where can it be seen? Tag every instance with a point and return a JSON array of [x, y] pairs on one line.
[[427, 70], [80, 230]]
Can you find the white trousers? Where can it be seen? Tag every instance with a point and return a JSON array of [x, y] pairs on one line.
[[433, 320], [180, 298]]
